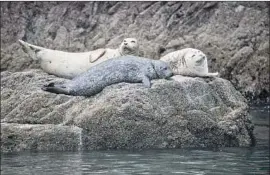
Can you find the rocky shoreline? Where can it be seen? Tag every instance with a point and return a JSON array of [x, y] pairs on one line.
[[184, 112]]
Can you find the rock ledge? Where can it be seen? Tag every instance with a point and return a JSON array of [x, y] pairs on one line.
[[184, 112]]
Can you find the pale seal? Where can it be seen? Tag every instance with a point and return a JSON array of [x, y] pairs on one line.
[[188, 62], [69, 65], [130, 69]]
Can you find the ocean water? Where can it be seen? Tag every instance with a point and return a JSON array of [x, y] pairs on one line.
[[225, 161]]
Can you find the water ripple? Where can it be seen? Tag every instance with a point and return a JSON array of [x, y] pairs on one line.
[[233, 161]]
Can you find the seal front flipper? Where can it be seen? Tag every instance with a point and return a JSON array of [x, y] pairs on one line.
[[95, 55], [146, 82], [55, 89], [211, 74]]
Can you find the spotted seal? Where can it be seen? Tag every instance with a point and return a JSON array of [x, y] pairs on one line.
[[130, 69], [189, 62], [69, 65]]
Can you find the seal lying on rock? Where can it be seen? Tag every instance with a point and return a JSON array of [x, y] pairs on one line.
[[189, 62], [128, 69], [69, 65]]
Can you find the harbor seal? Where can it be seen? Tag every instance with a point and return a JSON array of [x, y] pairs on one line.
[[130, 69], [69, 65], [189, 62]]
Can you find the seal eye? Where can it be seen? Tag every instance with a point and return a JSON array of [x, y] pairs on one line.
[[133, 41], [124, 41], [193, 56]]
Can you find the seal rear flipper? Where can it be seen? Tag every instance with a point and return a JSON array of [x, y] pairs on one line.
[[30, 49], [49, 85], [34, 47], [54, 89]]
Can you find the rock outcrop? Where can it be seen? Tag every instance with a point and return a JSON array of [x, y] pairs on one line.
[[184, 112], [234, 35]]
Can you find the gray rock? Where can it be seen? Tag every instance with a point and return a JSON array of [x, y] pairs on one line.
[[219, 29], [47, 137], [184, 112]]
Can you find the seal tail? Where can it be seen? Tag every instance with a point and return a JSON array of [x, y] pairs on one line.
[[31, 49], [54, 89]]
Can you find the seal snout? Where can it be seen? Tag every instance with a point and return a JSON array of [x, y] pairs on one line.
[[203, 57], [169, 76]]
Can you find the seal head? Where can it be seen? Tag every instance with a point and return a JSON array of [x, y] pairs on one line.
[[189, 62], [129, 46], [162, 69]]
